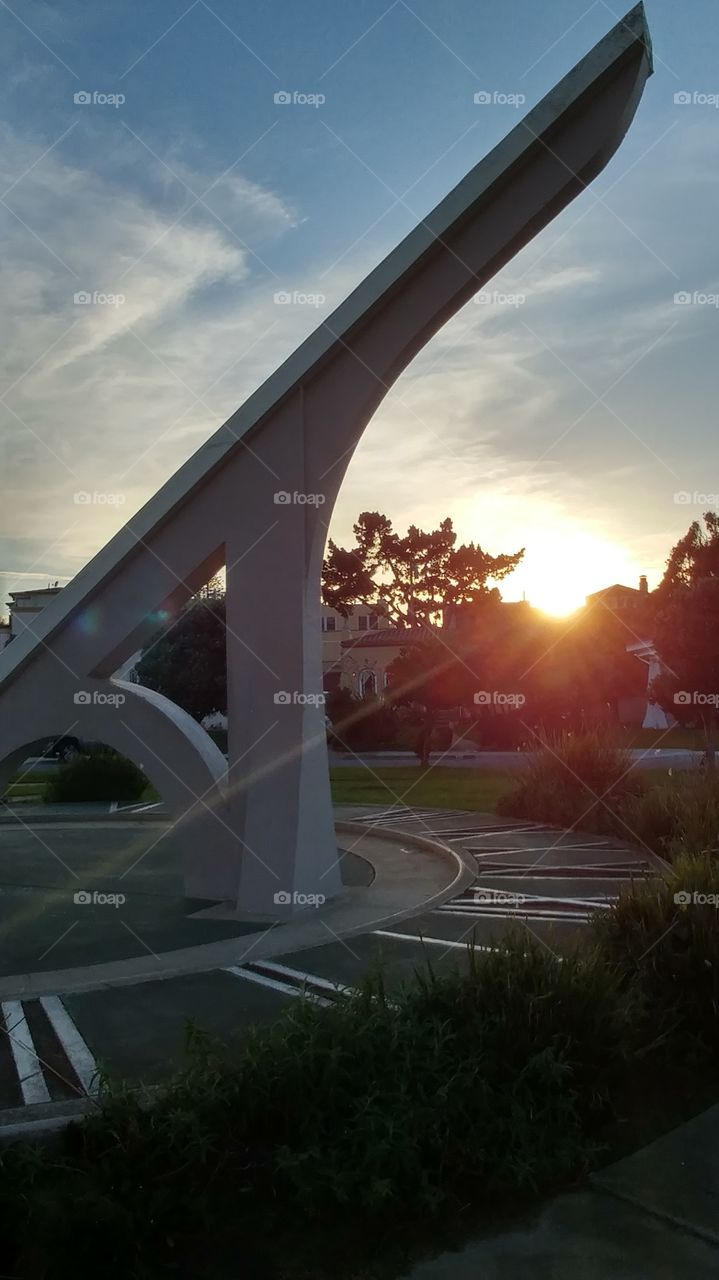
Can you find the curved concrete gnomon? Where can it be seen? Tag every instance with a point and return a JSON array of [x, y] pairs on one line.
[[264, 827]]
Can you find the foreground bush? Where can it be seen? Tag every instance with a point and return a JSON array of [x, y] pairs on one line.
[[488, 1084], [581, 781], [100, 775], [664, 940], [680, 815]]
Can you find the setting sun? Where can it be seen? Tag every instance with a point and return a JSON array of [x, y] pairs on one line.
[[562, 567]]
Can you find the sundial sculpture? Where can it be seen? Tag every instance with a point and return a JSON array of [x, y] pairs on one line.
[[260, 829]]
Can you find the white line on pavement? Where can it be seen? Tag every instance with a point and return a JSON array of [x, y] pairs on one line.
[[27, 1063], [541, 848], [74, 1047], [313, 979], [285, 988], [489, 897], [432, 942], [478, 913]]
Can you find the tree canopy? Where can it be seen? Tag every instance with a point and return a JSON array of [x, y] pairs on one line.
[[693, 557], [187, 662], [686, 630], [410, 579]]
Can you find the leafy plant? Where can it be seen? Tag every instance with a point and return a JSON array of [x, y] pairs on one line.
[[680, 815], [664, 940], [580, 781], [494, 1079], [99, 775]]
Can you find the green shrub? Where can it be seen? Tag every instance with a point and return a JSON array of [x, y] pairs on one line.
[[679, 815], [490, 1083], [100, 775], [219, 737], [668, 949], [577, 781]]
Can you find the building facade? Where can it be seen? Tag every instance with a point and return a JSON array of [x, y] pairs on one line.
[[358, 650], [23, 608]]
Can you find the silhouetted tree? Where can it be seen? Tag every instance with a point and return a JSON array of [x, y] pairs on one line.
[[686, 637], [409, 580], [694, 556], [431, 674], [187, 661]]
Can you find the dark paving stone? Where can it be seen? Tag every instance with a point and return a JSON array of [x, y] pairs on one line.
[[677, 1176], [139, 1031], [587, 1236]]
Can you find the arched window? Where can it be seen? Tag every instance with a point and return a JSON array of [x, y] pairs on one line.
[[367, 682]]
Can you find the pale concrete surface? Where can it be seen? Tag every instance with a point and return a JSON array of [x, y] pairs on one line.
[[412, 873], [676, 1177], [585, 1236]]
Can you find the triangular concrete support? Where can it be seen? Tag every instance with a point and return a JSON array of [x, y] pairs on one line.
[[261, 834]]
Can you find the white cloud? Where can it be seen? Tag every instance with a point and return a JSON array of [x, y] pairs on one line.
[[481, 425]]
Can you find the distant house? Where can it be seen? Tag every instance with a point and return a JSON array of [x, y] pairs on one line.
[[358, 650], [363, 630], [24, 606], [625, 602], [654, 716], [366, 658], [630, 606]]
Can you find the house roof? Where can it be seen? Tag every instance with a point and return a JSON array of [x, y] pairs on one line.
[[35, 591], [617, 586], [389, 638]]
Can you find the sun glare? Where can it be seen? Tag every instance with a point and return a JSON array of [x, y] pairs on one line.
[[561, 569]]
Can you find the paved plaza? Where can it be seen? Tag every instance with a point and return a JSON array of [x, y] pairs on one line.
[[103, 960]]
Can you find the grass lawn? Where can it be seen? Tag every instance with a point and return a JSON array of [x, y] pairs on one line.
[[24, 791], [442, 786], [35, 791]]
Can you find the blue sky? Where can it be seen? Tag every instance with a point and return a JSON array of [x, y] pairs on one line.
[[565, 422]]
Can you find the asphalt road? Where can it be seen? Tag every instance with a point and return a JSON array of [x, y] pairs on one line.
[[547, 883], [662, 758]]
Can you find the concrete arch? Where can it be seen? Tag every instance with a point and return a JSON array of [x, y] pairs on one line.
[[178, 757], [259, 494]]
